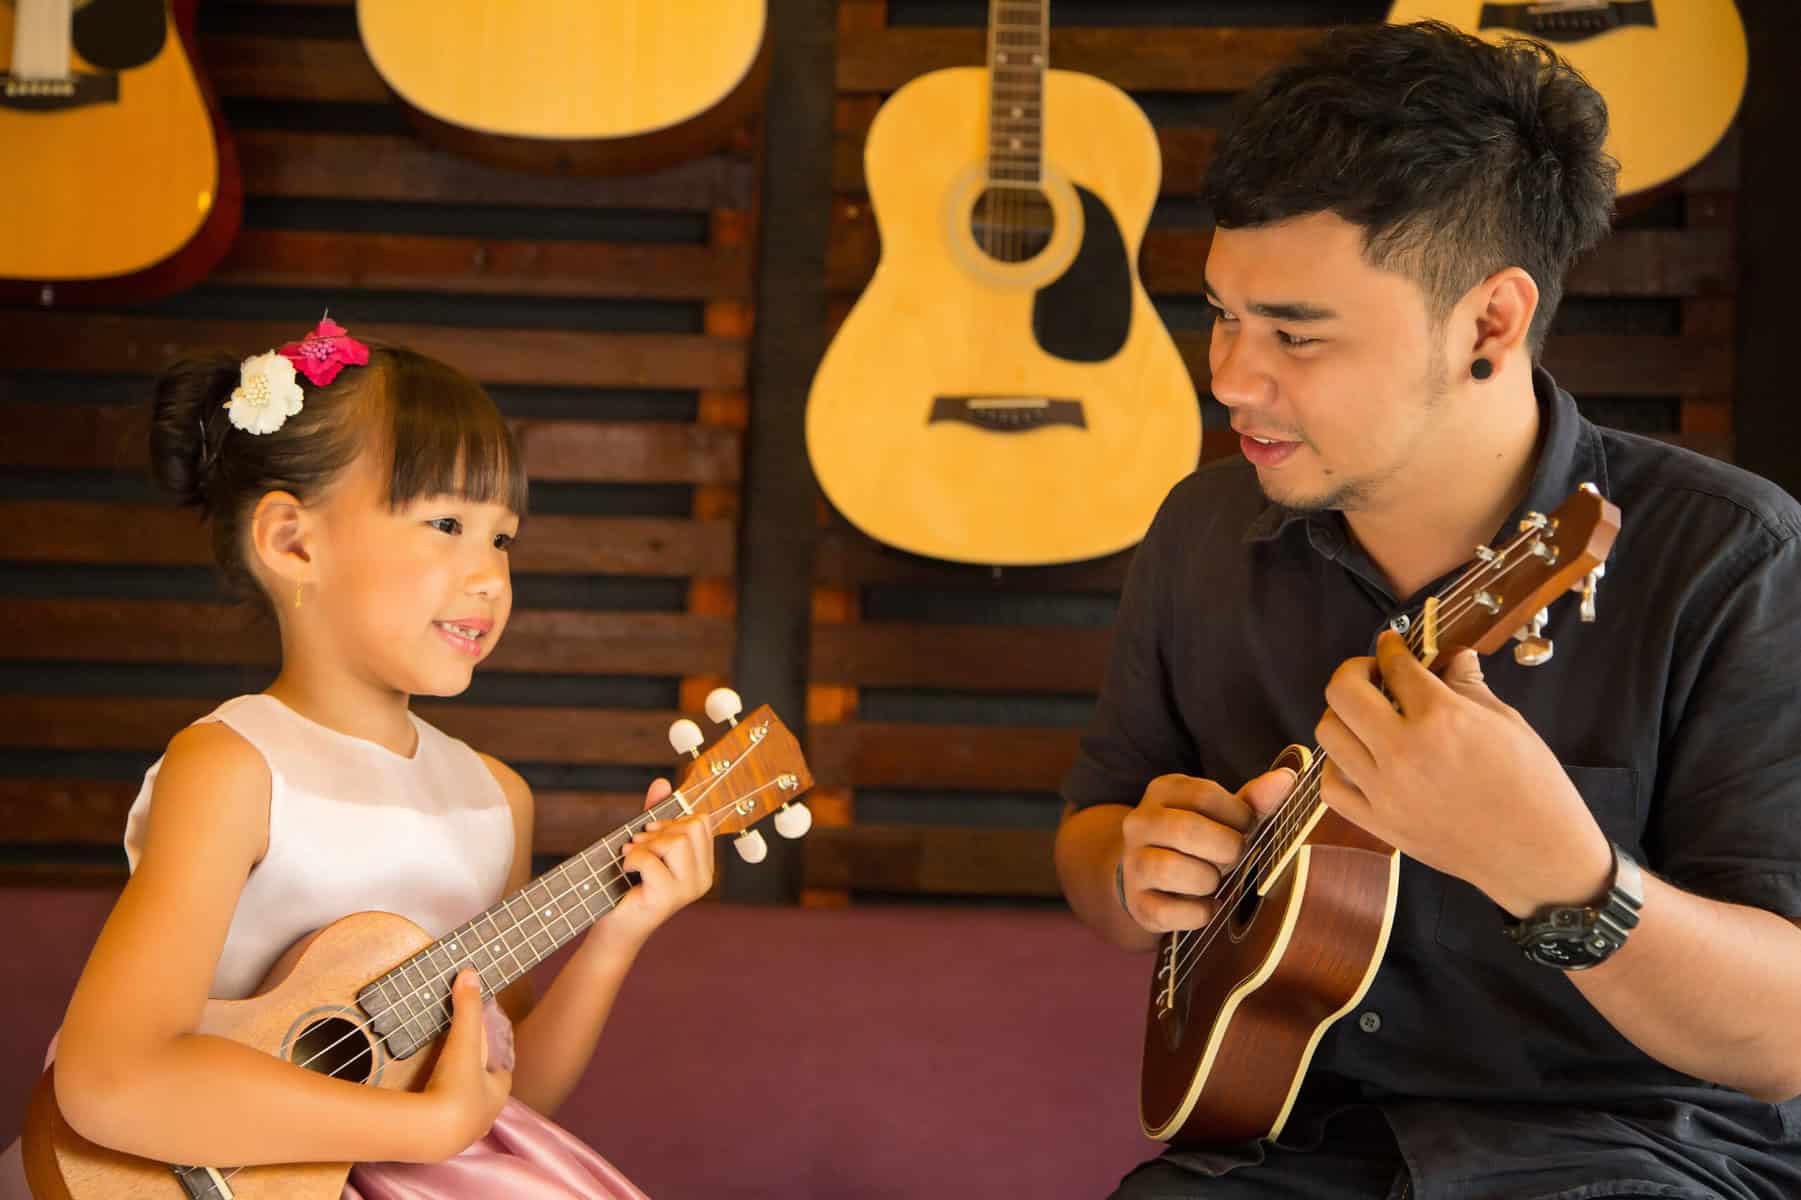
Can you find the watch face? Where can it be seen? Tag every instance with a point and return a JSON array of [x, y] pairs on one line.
[[1555, 950]]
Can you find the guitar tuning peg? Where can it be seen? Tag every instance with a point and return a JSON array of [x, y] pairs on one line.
[[793, 820], [723, 706], [686, 737], [750, 846]]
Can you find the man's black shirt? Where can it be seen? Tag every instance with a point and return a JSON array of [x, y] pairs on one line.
[[1675, 715]]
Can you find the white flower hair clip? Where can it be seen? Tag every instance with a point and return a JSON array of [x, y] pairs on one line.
[[268, 391]]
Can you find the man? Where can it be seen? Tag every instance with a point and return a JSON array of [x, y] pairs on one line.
[[1396, 213]]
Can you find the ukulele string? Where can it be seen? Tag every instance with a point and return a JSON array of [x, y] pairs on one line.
[[714, 819], [1281, 832]]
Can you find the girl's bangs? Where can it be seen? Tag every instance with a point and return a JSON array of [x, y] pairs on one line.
[[448, 437]]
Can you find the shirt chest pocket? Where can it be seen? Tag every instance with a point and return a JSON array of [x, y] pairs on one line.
[[1468, 921]]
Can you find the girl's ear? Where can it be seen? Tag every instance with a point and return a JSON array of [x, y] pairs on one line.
[[281, 538]]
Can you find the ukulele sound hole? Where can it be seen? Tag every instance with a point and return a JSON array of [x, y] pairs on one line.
[[1245, 911], [334, 1047], [1012, 224]]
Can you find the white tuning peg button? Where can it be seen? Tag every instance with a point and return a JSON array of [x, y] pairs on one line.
[[685, 736], [792, 820], [750, 846], [723, 706]]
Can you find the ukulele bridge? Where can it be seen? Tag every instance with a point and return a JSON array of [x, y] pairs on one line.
[[1008, 414]]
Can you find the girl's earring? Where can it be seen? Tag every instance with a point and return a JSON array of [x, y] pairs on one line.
[[299, 591]]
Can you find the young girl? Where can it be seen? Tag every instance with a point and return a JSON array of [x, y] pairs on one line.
[[370, 505]]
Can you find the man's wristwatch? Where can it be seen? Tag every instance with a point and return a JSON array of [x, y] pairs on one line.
[[1573, 939]]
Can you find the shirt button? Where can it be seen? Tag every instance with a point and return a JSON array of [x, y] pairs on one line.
[[1370, 1022]]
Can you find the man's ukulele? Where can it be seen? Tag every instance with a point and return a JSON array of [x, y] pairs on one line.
[[367, 998], [1238, 1006]]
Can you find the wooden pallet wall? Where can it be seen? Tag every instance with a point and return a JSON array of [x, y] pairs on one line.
[[608, 317], [947, 701]]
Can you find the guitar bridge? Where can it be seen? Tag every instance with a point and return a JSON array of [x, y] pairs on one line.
[[1008, 414], [203, 1183]]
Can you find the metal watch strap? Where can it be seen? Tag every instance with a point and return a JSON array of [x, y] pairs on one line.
[[1599, 930]]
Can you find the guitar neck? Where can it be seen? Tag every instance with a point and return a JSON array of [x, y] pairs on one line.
[[1018, 47], [523, 929], [42, 38]]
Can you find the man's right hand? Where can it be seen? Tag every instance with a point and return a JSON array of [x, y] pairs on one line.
[[1180, 840]]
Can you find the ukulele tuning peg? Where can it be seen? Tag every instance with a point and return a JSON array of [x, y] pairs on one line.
[[685, 736], [750, 846], [723, 706], [1591, 583], [793, 820], [1534, 649]]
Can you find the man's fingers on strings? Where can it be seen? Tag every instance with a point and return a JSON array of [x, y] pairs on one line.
[[1157, 869], [1407, 679], [1344, 751], [1161, 912], [1268, 790], [1201, 836], [659, 791], [1344, 796]]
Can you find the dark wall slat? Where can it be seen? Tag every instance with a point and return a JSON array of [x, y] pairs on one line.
[[383, 167], [115, 437], [1161, 60], [932, 861], [535, 640], [144, 345], [316, 70], [999, 658], [78, 531], [514, 735], [898, 754], [486, 266]]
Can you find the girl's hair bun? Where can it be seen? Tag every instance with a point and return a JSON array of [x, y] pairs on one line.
[[186, 427]]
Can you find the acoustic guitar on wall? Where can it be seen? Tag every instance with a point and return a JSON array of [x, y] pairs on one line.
[[595, 87], [367, 998], [121, 181], [1672, 71], [1003, 392], [1301, 923]]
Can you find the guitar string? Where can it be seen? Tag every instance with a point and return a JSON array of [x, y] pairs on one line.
[[438, 1021], [1297, 811], [616, 861], [558, 940], [1295, 814]]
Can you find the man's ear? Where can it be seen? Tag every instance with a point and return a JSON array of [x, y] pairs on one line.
[[1505, 304], [281, 538]]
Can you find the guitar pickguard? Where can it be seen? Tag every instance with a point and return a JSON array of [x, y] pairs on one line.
[[1085, 314]]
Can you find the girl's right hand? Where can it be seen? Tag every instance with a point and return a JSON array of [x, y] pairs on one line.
[[465, 1095]]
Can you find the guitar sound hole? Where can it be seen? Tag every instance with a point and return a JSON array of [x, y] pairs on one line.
[[1245, 911], [334, 1047], [1012, 224]]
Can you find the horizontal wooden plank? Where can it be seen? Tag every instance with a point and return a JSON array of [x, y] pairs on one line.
[[515, 734], [900, 754], [316, 70], [1595, 364], [1635, 262], [144, 345], [116, 437], [998, 658], [46, 811], [1186, 151], [1136, 59], [931, 861], [77, 531], [535, 640], [357, 166], [487, 266]]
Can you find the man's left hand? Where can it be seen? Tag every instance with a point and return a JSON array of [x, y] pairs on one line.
[[1450, 775]]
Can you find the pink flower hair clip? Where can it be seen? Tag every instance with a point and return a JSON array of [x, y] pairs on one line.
[[268, 393], [321, 354]]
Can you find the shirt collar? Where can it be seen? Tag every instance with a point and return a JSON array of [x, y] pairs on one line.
[[1569, 456]]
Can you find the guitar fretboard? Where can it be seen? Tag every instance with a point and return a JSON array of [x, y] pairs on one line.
[[410, 1004], [1018, 45]]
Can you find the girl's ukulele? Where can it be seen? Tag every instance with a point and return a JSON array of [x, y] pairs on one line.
[[1238, 1006], [367, 998]]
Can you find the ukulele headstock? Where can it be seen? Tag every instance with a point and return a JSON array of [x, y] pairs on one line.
[[1507, 592], [755, 768]]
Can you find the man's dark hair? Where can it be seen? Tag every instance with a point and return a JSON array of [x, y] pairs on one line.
[[1458, 158]]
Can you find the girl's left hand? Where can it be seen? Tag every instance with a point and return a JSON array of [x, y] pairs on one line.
[[674, 864]]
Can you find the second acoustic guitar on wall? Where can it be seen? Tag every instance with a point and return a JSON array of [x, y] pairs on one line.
[[1003, 393]]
